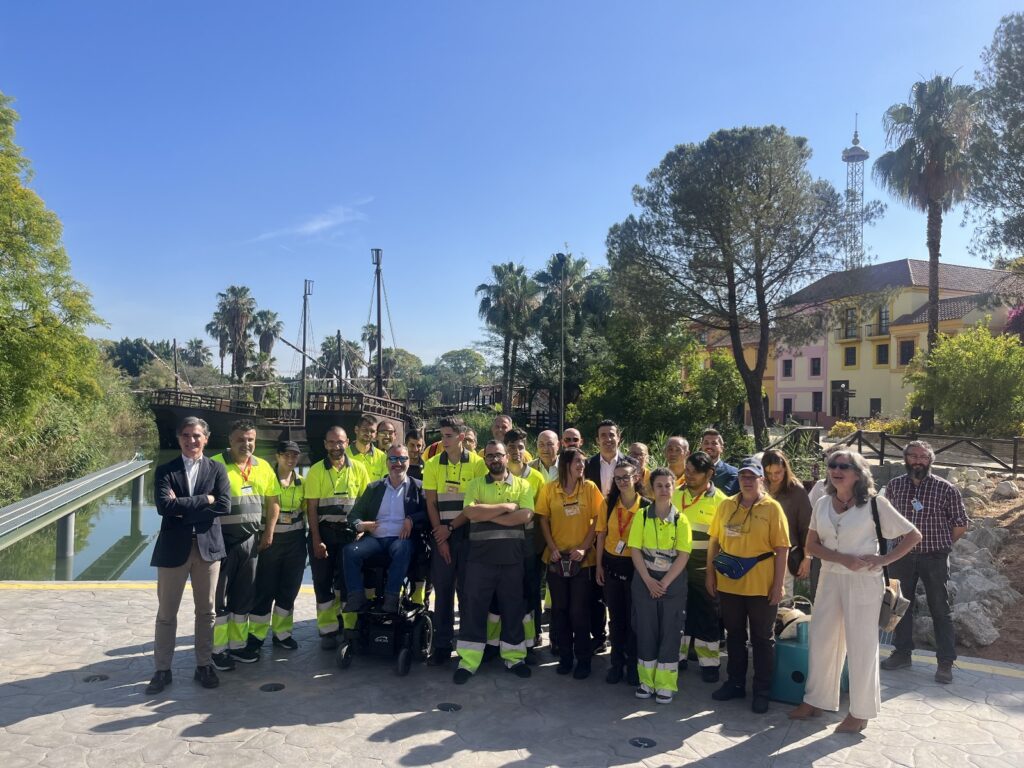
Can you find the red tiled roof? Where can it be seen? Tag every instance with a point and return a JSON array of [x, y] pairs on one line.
[[905, 273], [953, 308]]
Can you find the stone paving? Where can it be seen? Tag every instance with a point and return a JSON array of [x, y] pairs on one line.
[[56, 640]]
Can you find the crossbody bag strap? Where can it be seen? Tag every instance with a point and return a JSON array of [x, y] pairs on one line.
[[882, 546]]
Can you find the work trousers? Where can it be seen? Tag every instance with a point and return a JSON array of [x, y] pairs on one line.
[[845, 626], [235, 595], [170, 585], [487, 583], [329, 578], [531, 599], [395, 551], [618, 577], [739, 612], [570, 614], [598, 611], [658, 623], [278, 579], [448, 580], [932, 569], [703, 626]]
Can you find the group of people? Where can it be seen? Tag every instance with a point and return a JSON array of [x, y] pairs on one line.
[[660, 562]]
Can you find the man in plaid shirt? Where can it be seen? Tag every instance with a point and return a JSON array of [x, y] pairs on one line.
[[935, 506]]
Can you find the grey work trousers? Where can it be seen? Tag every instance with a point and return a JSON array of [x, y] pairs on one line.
[[658, 622], [170, 585], [449, 580]]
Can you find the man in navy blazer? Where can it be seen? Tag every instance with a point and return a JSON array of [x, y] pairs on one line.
[[191, 492], [386, 514]]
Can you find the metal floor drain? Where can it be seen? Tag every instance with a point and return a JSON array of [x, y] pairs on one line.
[[272, 687], [643, 743], [448, 706], [96, 678]]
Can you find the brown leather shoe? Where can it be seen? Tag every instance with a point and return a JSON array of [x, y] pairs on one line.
[[804, 712], [851, 725]]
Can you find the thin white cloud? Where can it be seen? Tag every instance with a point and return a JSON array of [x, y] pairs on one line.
[[321, 223]]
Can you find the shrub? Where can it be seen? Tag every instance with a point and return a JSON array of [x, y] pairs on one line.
[[842, 429]]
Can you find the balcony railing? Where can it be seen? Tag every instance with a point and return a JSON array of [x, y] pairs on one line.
[[876, 329], [848, 333]]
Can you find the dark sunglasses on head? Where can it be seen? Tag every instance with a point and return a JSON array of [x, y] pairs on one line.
[[840, 465]]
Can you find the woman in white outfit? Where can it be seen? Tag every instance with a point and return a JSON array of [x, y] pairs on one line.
[[849, 598]]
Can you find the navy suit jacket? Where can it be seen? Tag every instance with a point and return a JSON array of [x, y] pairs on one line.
[[185, 513], [368, 505], [726, 478]]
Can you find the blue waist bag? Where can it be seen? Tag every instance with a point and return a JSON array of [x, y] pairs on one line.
[[737, 567]]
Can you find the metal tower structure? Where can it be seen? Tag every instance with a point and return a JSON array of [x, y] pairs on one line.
[[854, 157]]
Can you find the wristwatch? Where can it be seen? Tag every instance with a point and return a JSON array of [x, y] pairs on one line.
[[450, 527]]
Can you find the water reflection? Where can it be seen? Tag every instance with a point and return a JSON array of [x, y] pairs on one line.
[[114, 540]]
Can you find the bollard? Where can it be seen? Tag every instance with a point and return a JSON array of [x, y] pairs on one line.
[[138, 490], [65, 547]]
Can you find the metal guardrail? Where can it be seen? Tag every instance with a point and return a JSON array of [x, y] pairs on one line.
[[950, 450], [29, 515]]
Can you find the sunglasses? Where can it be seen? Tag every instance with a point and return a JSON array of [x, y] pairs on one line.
[[398, 459], [840, 465]]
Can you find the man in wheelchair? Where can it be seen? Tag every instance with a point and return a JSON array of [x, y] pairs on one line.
[[386, 515]]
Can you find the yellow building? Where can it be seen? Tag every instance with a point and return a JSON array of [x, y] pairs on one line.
[[879, 321]]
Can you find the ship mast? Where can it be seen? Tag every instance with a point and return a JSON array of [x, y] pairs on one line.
[[376, 255], [307, 291]]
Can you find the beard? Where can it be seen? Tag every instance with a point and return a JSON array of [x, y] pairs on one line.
[[918, 472]]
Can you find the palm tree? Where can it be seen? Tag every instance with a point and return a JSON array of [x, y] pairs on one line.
[[218, 329], [237, 307], [196, 353], [267, 327], [352, 357], [507, 306], [261, 370], [369, 338], [930, 168]]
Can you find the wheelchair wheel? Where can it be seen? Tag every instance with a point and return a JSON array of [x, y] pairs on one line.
[[344, 655], [422, 636], [403, 662]]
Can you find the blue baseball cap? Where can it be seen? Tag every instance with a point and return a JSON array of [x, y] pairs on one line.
[[753, 466]]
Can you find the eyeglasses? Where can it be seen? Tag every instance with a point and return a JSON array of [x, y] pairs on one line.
[[493, 456], [623, 478], [398, 459], [840, 465]]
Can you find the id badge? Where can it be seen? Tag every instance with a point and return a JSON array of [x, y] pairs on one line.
[[571, 510], [620, 547], [247, 490], [917, 505], [731, 532], [452, 488]]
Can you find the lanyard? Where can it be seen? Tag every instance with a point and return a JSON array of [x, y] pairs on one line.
[[696, 498], [246, 470], [624, 527], [448, 472], [657, 537]]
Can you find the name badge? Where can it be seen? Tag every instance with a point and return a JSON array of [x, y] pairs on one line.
[[732, 532], [247, 490], [571, 510], [451, 488], [620, 547], [917, 505]]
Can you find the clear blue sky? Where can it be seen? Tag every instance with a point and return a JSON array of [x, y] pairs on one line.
[[188, 146]]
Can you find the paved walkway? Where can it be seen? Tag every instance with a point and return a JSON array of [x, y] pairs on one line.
[[76, 658]]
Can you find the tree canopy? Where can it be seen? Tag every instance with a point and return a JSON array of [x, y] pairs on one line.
[[729, 228], [997, 194]]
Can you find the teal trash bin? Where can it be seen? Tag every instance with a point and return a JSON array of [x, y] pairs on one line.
[[791, 668]]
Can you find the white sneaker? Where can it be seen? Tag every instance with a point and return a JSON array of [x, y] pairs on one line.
[[643, 692], [663, 697]]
